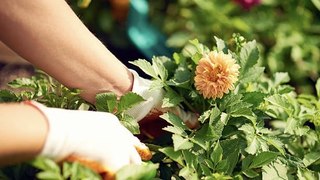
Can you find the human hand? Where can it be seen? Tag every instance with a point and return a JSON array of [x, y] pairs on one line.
[[151, 108], [96, 139]]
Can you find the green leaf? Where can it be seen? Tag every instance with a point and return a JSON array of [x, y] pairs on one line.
[[276, 143], [292, 125], [246, 162], [306, 174], [263, 158], [146, 67], [7, 96], [106, 102], [180, 143], [250, 173], [252, 74], [318, 85], [221, 45], [174, 120], [182, 76], [311, 158], [190, 158], [171, 99], [145, 171], [276, 170], [241, 109], [23, 83], [217, 153], [130, 123], [128, 100], [253, 145], [280, 78], [172, 154], [48, 175], [249, 55], [45, 164], [175, 130], [159, 68], [232, 160], [188, 173], [254, 98], [83, 3]]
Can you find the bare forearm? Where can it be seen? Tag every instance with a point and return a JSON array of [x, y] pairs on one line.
[[49, 35], [23, 132]]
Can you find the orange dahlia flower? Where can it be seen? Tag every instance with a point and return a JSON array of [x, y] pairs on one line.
[[216, 74]]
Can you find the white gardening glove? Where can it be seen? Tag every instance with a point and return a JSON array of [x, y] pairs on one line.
[[153, 102], [94, 136]]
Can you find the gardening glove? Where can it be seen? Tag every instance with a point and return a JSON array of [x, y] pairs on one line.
[[95, 138], [151, 107]]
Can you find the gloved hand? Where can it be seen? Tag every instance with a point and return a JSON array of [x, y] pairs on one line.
[[90, 136], [151, 107]]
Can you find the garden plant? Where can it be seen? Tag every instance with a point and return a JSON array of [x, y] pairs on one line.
[[252, 125], [286, 31]]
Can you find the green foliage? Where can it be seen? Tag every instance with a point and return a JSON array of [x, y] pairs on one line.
[[108, 102], [45, 90], [287, 31], [251, 132], [262, 129]]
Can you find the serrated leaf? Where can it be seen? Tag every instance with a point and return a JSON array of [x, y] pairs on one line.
[[180, 143], [174, 120], [292, 125], [217, 153], [221, 45], [280, 78], [253, 145], [145, 66], [310, 158], [249, 55], [254, 98], [171, 99], [130, 123], [190, 158], [159, 69], [106, 102], [229, 101], [172, 154], [181, 77], [263, 158], [175, 130], [276, 170], [276, 143], [23, 83], [241, 109], [232, 160], [252, 74], [188, 173], [128, 100]]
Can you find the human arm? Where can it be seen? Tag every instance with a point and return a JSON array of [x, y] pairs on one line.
[[49, 35], [23, 133]]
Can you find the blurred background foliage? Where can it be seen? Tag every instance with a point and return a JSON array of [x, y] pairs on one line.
[[288, 32]]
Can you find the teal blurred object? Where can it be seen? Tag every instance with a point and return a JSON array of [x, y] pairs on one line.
[[147, 38]]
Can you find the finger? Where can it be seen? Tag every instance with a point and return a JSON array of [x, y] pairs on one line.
[[135, 157], [143, 151]]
